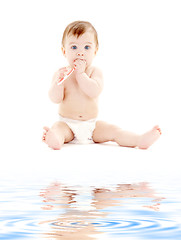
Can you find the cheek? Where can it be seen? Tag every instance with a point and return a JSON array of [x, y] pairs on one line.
[[90, 57], [70, 57]]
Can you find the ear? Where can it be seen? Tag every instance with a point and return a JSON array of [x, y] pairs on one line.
[[96, 50], [63, 51]]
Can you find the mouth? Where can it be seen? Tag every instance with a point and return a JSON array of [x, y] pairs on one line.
[[82, 59]]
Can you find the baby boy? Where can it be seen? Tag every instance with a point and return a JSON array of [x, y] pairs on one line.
[[78, 96]]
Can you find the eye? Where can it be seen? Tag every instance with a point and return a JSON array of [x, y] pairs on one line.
[[74, 47], [87, 47]]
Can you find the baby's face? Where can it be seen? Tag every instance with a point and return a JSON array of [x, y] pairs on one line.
[[83, 47]]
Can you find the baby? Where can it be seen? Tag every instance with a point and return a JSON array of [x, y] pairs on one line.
[[78, 96]]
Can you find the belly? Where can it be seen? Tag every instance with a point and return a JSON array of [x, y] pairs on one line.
[[84, 109]]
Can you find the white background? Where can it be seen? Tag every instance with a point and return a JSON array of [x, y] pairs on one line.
[[140, 56]]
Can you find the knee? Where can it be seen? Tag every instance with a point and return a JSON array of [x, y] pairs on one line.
[[105, 132], [60, 126], [113, 128], [56, 124], [63, 129]]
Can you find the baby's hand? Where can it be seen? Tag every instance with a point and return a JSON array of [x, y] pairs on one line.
[[80, 65], [61, 73]]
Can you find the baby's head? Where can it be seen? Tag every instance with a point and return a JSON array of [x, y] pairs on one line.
[[80, 41], [77, 29]]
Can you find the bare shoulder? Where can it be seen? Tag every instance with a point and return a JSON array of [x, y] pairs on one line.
[[96, 74], [94, 71]]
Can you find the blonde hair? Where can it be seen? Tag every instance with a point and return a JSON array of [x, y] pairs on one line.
[[77, 29]]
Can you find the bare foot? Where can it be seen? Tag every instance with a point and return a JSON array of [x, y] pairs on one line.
[[147, 139], [50, 138]]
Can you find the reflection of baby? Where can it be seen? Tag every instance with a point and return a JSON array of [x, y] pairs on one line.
[[75, 222], [109, 197], [78, 97], [58, 195]]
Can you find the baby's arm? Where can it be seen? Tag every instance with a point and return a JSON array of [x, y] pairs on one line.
[[91, 86], [56, 93]]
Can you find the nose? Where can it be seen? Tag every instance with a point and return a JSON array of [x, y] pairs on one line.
[[80, 54]]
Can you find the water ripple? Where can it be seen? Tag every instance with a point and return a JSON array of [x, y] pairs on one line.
[[156, 228], [59, 211]]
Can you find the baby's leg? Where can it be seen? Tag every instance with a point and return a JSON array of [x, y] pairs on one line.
[[148, 138], [56, 136], [105, 132]]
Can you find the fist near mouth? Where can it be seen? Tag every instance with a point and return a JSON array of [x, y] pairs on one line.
[[80, 65]]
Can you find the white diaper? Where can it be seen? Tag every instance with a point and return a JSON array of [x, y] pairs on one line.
[[83, 130]]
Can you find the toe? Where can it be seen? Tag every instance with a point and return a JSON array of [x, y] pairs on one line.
[[159, 130], [46, 128], [43, 138]]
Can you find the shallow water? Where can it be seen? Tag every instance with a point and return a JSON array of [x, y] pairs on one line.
[[141, 210]]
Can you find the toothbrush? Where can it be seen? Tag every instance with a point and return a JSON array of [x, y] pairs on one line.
[[60, 81]]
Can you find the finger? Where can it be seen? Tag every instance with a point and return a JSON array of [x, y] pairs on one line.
[[62, 69]]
